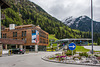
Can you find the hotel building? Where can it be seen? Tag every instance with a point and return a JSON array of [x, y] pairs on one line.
[[33, 36]]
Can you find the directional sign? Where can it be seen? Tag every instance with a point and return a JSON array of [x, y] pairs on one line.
[[72, 46]]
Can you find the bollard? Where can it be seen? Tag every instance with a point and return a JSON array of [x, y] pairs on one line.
[[27, 51], [10, 52], [1, 53]]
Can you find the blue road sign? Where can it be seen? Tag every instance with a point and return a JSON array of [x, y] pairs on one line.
[[72, 46], [80, 41]]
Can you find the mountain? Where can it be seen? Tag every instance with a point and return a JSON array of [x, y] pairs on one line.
[[82, 23], [22, 12]]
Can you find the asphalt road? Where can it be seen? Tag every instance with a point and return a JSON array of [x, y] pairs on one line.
[[32, 60]]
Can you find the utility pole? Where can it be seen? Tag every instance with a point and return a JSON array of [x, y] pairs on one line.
[[92, 23]]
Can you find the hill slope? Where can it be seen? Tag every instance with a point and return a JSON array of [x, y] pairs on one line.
[[26, 12]]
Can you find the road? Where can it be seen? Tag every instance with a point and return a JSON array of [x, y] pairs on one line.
[[32, 60]]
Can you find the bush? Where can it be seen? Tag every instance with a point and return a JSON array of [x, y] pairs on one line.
[[96, 55], [83, 54], [69, 52], [60, 58]]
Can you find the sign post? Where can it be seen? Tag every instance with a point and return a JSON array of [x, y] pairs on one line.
[[72, 47]]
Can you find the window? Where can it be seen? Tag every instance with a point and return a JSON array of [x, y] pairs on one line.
[[47, 36], [23, 33], [1, 35], [33, 31], [14, 34], [4, 35], [24, 39]]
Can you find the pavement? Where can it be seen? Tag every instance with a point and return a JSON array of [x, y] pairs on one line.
[[95, 48], [32, 60]]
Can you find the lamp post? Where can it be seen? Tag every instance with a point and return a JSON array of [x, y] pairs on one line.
[[0, 21], [92, 23]]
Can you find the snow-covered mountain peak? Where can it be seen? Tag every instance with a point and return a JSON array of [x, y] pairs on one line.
[[70, 20], [82, 23]]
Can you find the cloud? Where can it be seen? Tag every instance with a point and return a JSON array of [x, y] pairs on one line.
[[65, 8]]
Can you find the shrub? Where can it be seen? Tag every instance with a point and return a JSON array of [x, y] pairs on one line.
[[60, 58], [69, 52], [96, 55], [83, 54]]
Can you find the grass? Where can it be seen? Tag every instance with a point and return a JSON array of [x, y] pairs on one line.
[[81, 49], [52, 58], [52, 36], [91, 44], [97, 51]]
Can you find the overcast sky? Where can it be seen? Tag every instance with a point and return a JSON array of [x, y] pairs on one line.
[[62, 9]]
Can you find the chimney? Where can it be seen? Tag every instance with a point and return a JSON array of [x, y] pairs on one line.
[[38, 26], [11, 26]]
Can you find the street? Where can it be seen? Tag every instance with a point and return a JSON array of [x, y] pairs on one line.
[[32, 60]]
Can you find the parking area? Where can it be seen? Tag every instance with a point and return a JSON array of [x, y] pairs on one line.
[[31, 60]]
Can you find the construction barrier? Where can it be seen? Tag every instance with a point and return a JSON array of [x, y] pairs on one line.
[[0, 53], [27, 51], [10, 52]]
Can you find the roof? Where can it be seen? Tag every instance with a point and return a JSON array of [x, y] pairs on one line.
[[27, 27], [73, 39], [3, 4]]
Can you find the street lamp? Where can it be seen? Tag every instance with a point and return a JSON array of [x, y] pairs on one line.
[[92, 23]]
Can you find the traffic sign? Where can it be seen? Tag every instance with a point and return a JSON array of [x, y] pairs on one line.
[[72, 46]]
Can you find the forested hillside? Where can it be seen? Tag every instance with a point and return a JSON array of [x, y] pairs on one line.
[[26, 12]]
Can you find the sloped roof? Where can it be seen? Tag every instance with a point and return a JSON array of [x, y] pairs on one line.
[[3, 4]]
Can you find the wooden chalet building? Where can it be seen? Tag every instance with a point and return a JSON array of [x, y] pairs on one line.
[[26, 33]]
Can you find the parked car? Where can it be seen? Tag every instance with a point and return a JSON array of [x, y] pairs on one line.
[[18, 51]]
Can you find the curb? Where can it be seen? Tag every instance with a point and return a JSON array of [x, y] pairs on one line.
[[45, 59]]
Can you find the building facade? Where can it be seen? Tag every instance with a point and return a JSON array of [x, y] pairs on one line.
[[27, 33]]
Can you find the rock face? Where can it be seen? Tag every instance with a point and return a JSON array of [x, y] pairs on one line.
[[82, 23]]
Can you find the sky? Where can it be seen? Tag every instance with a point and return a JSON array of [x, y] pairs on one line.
[[62, 9]]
